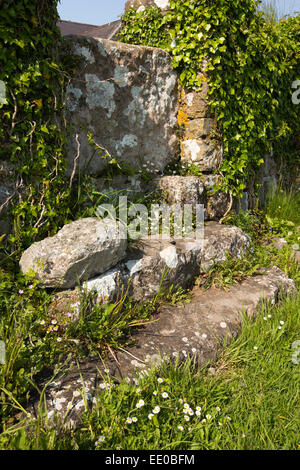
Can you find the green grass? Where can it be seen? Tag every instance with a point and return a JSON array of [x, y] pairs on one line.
[[256, 382]]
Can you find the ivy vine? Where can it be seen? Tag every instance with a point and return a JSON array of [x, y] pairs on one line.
[[250, 66]]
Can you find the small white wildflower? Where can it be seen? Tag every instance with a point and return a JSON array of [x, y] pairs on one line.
[[42, 322], [180, 401], [156, 410], [180, 428], [228, 417], [100, 440], [140, 403], [160, 380], [281, 322], [155, 393], [150, 415], [138, 390], [208, 416], [191, 413], [187, 418], [129, 420], [218, 408], [134, 419], [164, 395], [186, 406], [265, 318], [203, 420], [198, 408], [280, 327], [269, 316], [59, 340], [256, 348], [198, 413]]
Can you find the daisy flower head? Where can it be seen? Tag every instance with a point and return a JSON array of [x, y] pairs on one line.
[[190, 412], [150, 415], [186, 406], [198, 413], [156, 410], [187, 418], [129, 420], [134, 419], [164, 395], [160, 380], [140, 403], [100, 440], [180, 428]]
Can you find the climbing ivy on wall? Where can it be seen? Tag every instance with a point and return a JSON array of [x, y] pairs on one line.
[[31, 136], [250, 66]]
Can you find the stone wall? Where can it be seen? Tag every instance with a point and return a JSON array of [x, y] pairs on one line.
[[127, 98]]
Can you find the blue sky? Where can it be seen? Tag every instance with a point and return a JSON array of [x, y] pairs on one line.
[[99, 12]]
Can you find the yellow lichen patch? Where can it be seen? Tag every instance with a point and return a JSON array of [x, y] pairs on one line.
[[182, 117], [202, 77]]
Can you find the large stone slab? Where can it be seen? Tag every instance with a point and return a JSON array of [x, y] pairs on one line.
[[79, 251], [196, 329], [126, 97]]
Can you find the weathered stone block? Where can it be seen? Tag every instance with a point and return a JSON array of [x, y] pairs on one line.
[[127, 97], [197, 128], [196, 105], [182, 189]]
